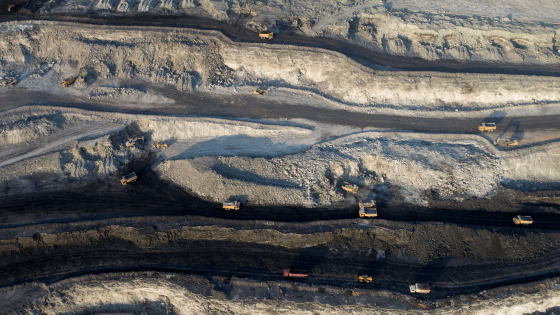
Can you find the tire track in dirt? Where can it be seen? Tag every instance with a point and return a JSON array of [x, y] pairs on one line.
[[265, 263]]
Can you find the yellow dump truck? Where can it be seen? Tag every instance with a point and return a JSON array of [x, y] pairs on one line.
[[231, 205], [364, 279], [350, 188], [487, 127], [420, 288], [368, 209], [522, 220], [259, 92], [266, 35], [129, 178]]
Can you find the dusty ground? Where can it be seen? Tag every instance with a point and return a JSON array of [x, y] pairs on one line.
[[206, 61], [504, 31], [74, 240], [267, 163]]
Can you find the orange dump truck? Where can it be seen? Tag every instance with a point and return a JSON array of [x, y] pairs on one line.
[[295, 273]]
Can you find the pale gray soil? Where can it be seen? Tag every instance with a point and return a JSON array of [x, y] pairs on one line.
[[73, 240]]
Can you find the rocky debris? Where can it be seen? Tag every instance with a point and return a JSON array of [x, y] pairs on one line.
[[164, 293], [508, 31], [125, 95], [423, 243], [207, 61], [274, 164]]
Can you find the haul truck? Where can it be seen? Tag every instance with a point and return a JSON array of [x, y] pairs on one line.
[[266, 35], [129, 178], [420, 288], [523, 220], [368, 209], [487, 127], [295, 273], [231, 205], [364, 279]]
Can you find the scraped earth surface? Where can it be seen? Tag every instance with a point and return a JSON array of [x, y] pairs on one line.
[[400, 124]]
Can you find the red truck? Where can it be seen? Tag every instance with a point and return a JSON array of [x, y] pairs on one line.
[[295, 273]]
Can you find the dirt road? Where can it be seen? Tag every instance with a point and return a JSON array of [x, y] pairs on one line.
[[265, 263], [249, 106], [360, 54]]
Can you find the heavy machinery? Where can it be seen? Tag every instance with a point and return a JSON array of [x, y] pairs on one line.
[[295, 273], [162, 146], [420, 288], [364, 279], [368, 209], [511, 143], [129, 178], [7, 81], [259, 91], [81, 77], [523, 220], [231, 205], [132, 142], [11, 7], [487, 127], [350, 188], [266, 35], [68, 82]]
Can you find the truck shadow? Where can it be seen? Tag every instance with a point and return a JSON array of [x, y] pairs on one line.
[[433, 271], [518, 134], [309, 258], [496, 117]]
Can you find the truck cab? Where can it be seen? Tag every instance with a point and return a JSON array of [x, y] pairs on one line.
[[129, 178], [522, 220], [368, 209], [420, 288], [231, 205]]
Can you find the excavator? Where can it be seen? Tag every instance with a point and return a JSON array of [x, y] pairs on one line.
[[511, 143], [81, 77], [260, 92], [350, 188]]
